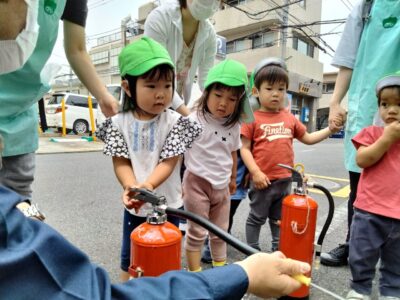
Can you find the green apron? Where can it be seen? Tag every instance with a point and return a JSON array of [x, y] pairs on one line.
[[20, 90], [378, 54]]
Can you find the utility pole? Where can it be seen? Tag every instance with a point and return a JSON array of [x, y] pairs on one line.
[[285, 13], [124, 21]]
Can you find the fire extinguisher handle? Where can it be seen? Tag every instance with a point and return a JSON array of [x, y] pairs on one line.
[[146, 195]]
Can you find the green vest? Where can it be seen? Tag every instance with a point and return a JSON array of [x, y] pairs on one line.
[[20, 90], [377, 55]]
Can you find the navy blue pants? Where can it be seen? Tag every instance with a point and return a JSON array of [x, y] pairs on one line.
[[373, 237]]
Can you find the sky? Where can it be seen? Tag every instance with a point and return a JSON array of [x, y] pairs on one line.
[[106, 15]]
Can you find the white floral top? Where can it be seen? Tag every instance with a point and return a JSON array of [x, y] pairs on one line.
[[147, 143]]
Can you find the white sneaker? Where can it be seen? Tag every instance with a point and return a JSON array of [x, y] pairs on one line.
[[388, 298], [353, 295]]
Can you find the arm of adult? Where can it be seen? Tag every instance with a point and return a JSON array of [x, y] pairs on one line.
[[344, 59], [260, 180], [341, 87], [79, 59], [208, 59]]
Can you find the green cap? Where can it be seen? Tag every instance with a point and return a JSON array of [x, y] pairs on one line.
[[232, 73], [141, 56], [270, 61], [388, 80]]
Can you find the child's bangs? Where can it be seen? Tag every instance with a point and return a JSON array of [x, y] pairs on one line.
[[271, 74], [237, 91], [163, 71]]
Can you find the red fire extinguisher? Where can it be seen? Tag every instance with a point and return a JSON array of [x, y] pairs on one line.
[[298, 226], [155, 245]]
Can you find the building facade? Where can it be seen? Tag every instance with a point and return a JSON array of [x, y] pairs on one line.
[[248, 31]]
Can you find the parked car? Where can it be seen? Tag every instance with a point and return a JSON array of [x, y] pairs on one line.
[[77, 116], [118, 93]]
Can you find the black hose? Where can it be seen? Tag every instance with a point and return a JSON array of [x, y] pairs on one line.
[[329, 217], [231, 240]]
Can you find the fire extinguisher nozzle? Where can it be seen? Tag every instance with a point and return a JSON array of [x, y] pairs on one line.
[[302, 279]]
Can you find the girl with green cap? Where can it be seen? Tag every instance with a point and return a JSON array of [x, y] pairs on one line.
[[210, 175], [147, 139]]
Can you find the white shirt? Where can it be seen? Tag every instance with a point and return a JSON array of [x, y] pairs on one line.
[[164, 24], [211, 155]]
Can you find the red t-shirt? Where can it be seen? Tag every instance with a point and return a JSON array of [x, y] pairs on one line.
[[272, 136], [378, 189]]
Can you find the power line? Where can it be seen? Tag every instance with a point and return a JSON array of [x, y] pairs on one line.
[[253, 15]]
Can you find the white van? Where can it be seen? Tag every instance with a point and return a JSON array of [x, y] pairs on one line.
[[118, 93], [77, 115]]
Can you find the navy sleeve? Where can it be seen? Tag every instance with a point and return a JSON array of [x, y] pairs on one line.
[[229, 282], [76, 12], [37, 260]]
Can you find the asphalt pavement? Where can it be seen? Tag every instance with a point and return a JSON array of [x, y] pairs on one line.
[[87, 207]]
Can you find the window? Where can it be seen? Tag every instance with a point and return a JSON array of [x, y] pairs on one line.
[[303, 46], [236, 46], [100, 57], [235, 2], [56, 99], [328, 88], [115, 91], [114, 52], [262, 40], [81, 101]]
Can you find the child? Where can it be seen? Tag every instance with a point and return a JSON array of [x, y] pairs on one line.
[[210, 174], [147, 139], [236, 199], [375, 230], [267, 142]]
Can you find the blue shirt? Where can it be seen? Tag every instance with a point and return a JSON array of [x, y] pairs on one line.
[[36, 260]]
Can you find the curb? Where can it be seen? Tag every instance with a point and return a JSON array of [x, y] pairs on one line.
[[73, 144]]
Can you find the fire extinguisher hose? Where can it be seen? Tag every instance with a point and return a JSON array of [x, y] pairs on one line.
[[231, 240], [329, 218]]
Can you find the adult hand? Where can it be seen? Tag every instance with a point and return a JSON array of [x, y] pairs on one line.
[[270, 274], [337, 115], [109, 105]]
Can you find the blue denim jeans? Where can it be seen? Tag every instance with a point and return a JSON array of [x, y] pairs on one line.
[[374, 237]]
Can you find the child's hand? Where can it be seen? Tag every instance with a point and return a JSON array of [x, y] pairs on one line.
[[392, 131], [337, 124], [232, 186], [128, 198], [260, 180]]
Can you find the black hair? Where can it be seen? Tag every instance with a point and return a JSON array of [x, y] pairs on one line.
[[163, 71], [238, 91], [183, 3], [271, 74], [397, 87]]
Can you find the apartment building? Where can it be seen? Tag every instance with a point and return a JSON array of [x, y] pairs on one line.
[[248, 31]]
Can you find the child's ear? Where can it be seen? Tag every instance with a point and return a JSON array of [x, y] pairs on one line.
[[254, 91], [125, 86]]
